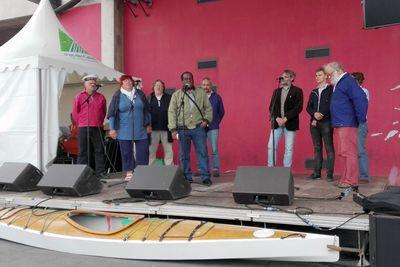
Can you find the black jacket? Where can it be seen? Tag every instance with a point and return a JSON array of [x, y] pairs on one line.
[[159, 114], [292, 107], [324, 105]]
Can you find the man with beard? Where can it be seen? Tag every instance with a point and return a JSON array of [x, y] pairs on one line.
[[349, 107], [218, 113], [89, 111], [285, 107]]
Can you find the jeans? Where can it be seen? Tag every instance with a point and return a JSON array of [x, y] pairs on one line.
[[199, 137], [323, 132], [141, 157], [362, 132], [96, 138], [289, 142], [212, 136]]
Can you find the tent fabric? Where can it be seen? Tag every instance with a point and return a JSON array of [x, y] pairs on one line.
[[34, 66]]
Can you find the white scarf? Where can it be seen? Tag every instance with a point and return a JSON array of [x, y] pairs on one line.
[[129, 94]]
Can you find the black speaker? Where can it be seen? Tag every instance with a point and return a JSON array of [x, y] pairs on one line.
[[70, 180], [384, 240], [15, 176], [380, 13], [158, 182], [268, 185]]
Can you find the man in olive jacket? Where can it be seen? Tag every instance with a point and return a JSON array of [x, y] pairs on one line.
[[189, 114]]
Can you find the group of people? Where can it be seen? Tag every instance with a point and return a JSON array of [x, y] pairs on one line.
[[338, 107], [141, 123], [193, 115]]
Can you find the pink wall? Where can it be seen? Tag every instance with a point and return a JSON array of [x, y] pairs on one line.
[[84, 25], [253, 42]]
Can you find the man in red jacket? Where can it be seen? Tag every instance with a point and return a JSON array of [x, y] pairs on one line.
[[89, 111]]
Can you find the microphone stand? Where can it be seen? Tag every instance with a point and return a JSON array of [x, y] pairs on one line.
[[182, 108], [273, 117]]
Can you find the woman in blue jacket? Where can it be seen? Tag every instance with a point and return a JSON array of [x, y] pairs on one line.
[[129, 119]]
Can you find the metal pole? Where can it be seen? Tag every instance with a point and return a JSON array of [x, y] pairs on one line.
[[39, 120]]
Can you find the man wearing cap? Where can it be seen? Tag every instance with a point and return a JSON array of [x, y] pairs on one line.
[[89, 111]]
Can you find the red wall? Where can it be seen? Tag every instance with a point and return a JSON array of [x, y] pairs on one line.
[[253, 42], [84, 25]]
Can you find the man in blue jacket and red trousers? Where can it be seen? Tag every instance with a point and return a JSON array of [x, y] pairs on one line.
[[349, 107]]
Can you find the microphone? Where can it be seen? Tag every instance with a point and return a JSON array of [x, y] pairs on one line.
[[279, 79], [186, 86], [99, 85]]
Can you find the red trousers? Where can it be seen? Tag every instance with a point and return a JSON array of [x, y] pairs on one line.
[[347, 154]]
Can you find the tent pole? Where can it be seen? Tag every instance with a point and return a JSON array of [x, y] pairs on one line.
[[39, 121]]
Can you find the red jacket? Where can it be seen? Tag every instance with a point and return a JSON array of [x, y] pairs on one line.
[[97, 110]]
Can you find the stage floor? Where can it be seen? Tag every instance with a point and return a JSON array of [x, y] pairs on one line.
[[216, 202]]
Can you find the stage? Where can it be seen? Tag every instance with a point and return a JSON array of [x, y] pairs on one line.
[[216, 202]]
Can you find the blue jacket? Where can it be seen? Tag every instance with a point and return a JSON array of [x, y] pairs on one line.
[[113, 109], [349, 103], [218, 110]]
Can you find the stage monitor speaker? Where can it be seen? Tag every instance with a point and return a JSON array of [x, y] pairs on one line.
[[158, 182], [70, 180], [267, 185], [20, 177], [384, 239]]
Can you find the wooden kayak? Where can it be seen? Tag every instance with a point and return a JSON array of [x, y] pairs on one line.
[[135, 236]]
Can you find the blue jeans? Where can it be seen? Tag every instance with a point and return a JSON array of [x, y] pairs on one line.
[[289, 142], [362, 132], [199, 137], [129, 161], [212, 136]]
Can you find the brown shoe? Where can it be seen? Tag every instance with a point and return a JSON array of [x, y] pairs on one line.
[[215, 173], [343, 185]]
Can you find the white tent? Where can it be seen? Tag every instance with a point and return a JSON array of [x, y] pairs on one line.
[[34, 65]]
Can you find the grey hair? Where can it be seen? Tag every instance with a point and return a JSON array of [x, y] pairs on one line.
[[335, 65], [291, 73]]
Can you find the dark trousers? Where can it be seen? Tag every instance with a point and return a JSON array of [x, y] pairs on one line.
[[96, 137], [129, 161], [323, 132]]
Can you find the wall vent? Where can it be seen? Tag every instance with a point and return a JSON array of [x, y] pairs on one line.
[[317, 52], [207, 64], [205, 1]]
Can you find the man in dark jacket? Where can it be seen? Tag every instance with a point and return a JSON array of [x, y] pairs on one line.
[[218, 113], [320, 124], [285, 107], [349, 107]]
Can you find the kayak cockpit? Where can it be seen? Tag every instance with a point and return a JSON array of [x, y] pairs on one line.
[[102, 223]]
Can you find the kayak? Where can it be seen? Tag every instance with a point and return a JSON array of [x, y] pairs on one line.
[[136, 236]]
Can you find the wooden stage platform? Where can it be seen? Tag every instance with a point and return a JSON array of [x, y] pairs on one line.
[[216, 202]]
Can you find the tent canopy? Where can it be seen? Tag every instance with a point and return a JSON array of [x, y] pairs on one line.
[[34, 65]]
